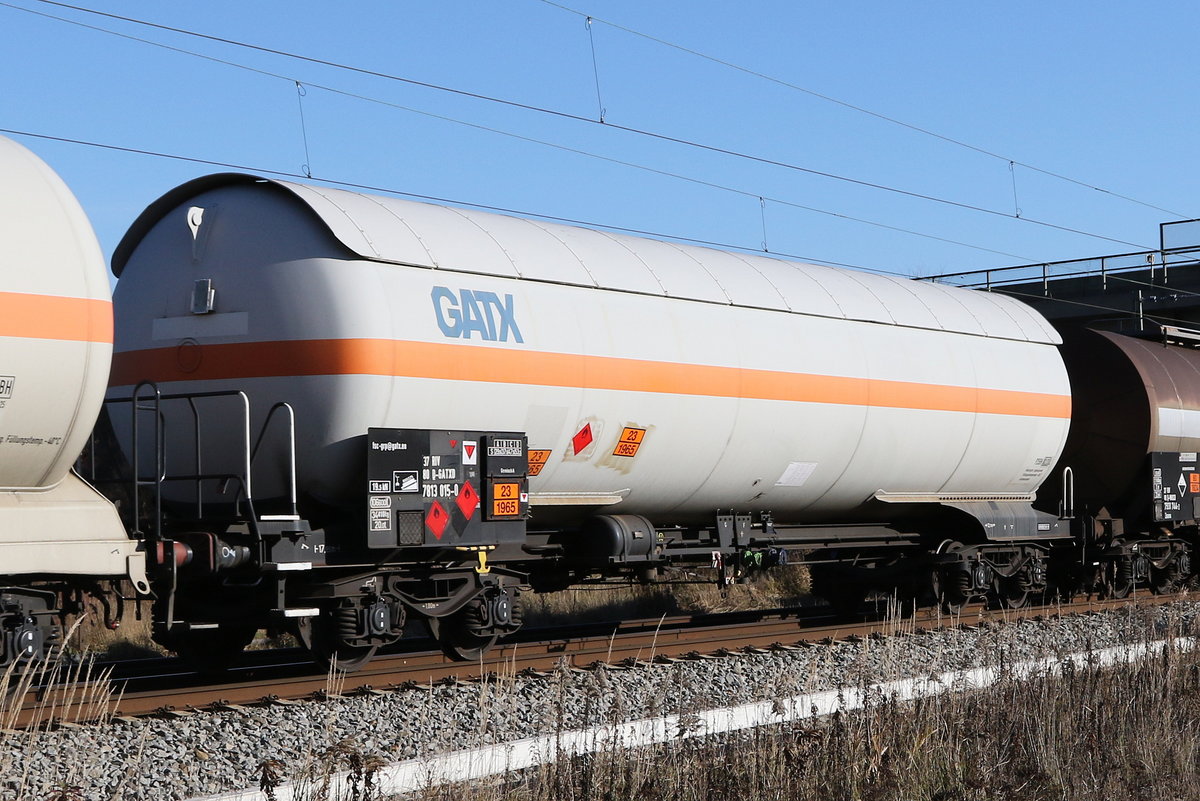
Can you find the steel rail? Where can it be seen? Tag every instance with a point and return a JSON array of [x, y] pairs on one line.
[[282, 677]]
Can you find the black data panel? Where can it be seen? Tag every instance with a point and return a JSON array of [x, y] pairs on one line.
[[1175, 486], [507, 484], [433, 488]]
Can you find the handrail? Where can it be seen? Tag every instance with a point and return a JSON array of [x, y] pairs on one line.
[[154, 406], [159, 459], [244, 481], [199, 463], [1158, 262], [1066, 507], [291, 431]]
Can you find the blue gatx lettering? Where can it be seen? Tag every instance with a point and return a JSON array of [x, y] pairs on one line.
[[476, 312]]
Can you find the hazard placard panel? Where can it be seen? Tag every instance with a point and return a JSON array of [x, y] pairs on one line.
[[630, 441], [507, 488], [425, 488]]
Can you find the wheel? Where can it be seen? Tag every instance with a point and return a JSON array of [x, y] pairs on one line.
[[1011, 593], [1162, 582], [320, 636], [209, 650], [952, 589], [1186, 578], [952, 585], [1118, 577], [1166, 580], [31, 654], [457, 642]]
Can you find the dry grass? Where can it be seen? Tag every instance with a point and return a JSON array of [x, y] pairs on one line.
[[77, 690], [778, 587], [73, 693], [133, 639], [1086, 735], [130, 640]]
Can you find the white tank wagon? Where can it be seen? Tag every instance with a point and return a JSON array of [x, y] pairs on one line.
[[680, 404], [55, 349], [738, 381]]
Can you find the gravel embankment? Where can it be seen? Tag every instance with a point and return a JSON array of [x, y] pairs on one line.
[[211, 752]]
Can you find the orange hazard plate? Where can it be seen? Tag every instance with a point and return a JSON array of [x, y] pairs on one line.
[[537, 460], [506, 499], [630, 441]]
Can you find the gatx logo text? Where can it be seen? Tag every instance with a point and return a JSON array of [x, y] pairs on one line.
[[469, 311]]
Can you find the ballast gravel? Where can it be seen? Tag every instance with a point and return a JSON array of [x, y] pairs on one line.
[[210, 752]]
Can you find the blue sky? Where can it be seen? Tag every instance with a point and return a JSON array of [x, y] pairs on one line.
[[1101, 92]]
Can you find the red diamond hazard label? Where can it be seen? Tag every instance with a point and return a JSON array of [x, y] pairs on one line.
[[467, 500], [582, 439], [437, 518]]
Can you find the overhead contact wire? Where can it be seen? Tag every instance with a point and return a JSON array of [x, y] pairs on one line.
[[520, 137], [861, 109], [583, 119], [443, 200]]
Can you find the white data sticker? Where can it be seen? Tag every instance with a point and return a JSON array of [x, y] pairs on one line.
[[796, 474], [381, 520], [505, 447], [404, 481]]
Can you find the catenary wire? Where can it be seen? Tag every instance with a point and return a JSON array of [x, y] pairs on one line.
[[860, 109], [448, 201], [579, 118], [565, 148]]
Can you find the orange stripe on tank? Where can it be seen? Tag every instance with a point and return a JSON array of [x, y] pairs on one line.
[[539, 368], [54, 317]]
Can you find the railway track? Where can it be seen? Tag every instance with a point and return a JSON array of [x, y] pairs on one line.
[[165, 687]]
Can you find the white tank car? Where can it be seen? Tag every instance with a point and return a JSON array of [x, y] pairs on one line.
[[652, 378], [55, 348]]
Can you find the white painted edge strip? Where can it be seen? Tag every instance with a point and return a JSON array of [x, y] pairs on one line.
[[282, 566], [199, 326], [462, 766]]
